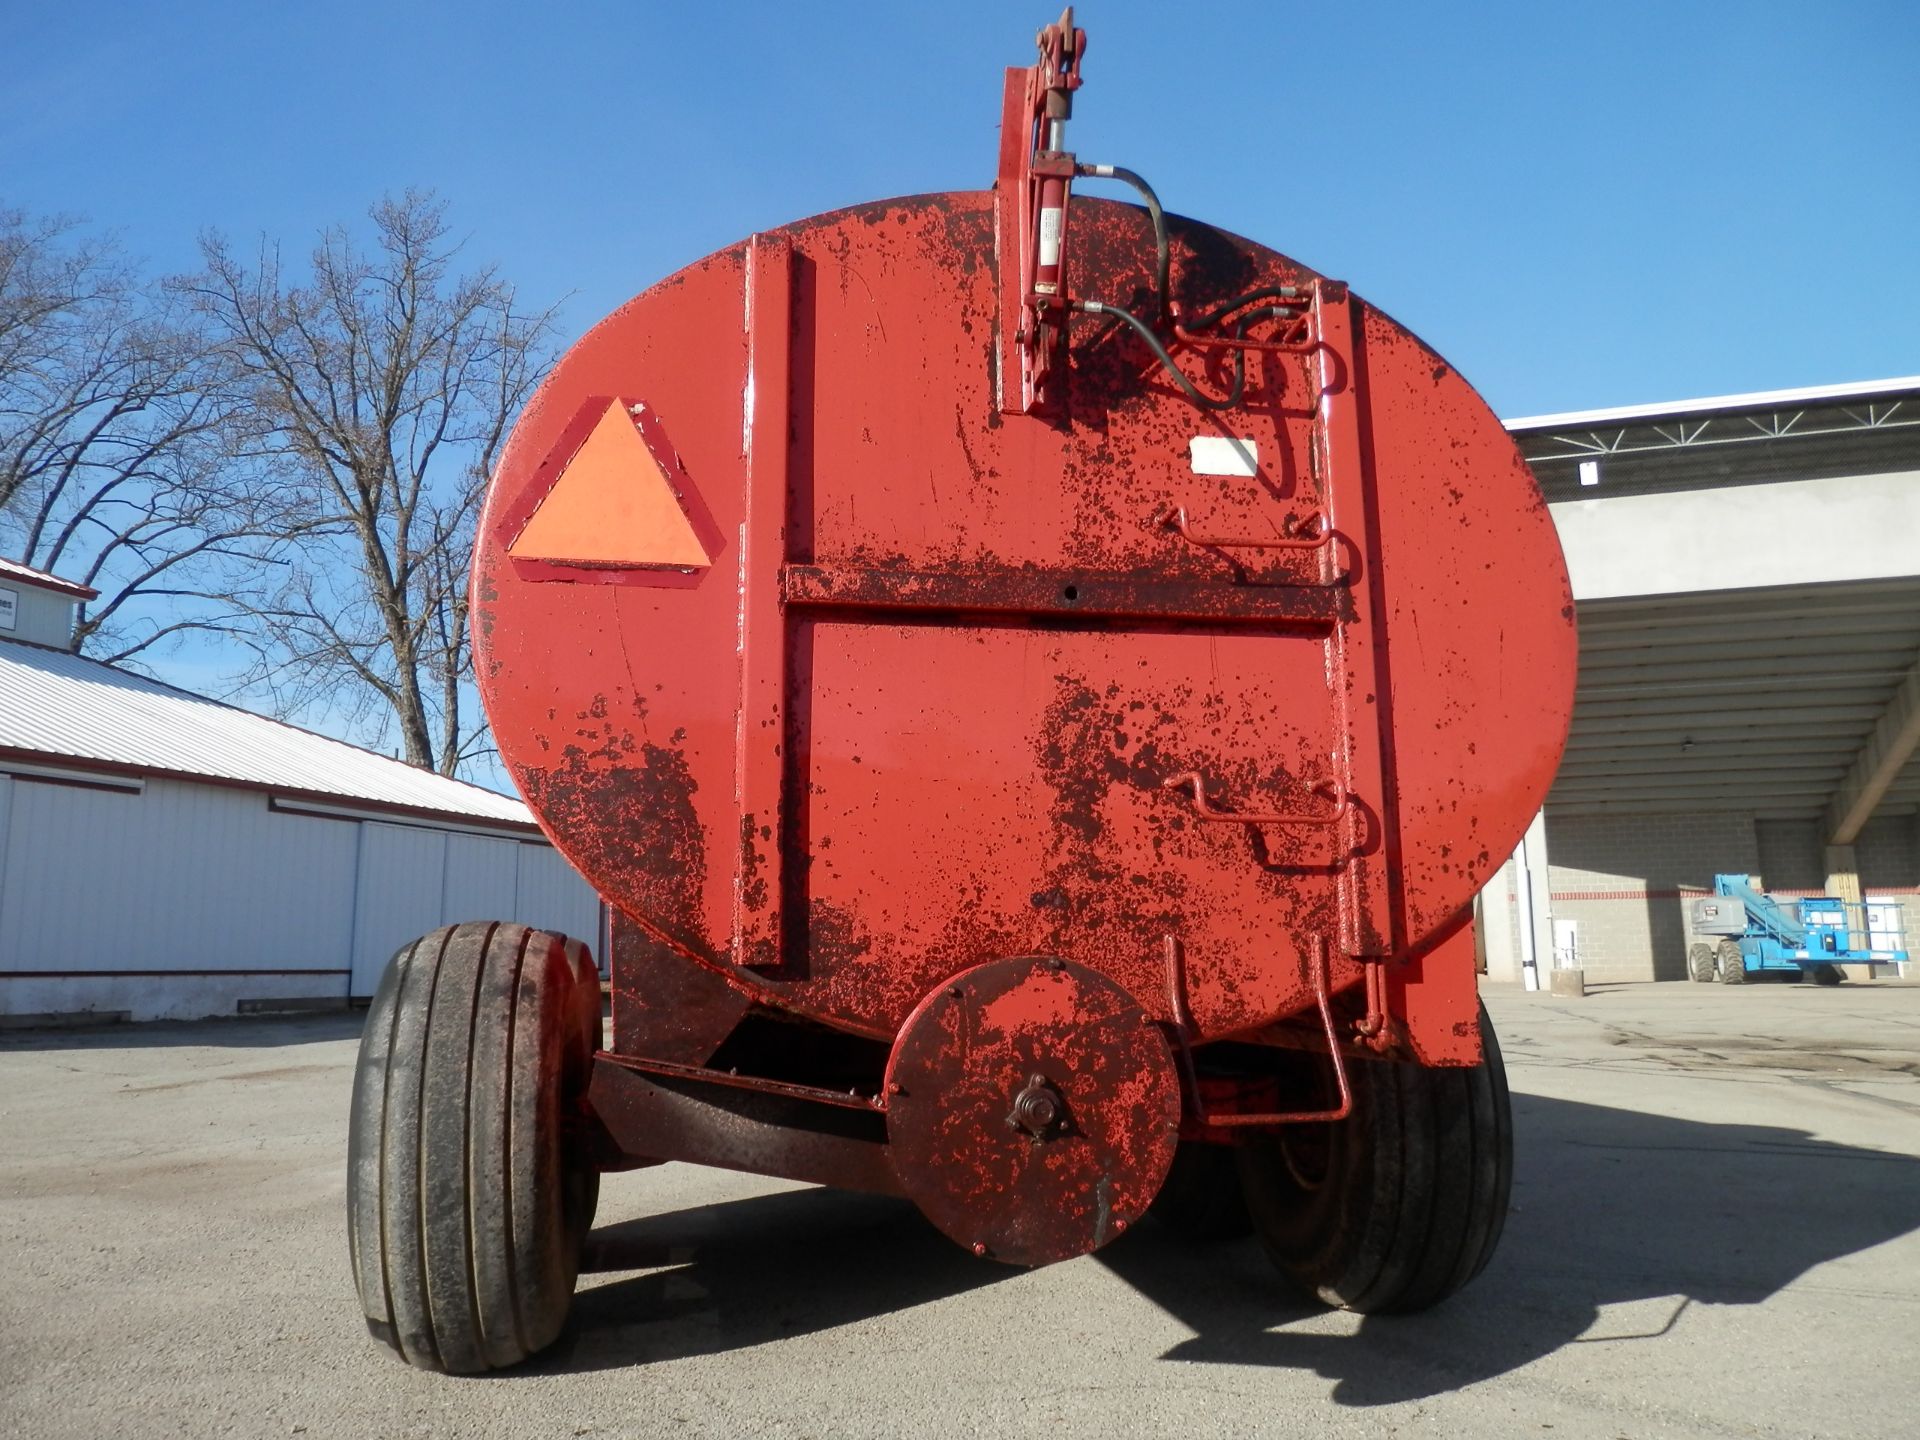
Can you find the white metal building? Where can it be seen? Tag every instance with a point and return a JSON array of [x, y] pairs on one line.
[[163, 855]]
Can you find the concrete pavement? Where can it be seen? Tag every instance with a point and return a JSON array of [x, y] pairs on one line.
[[1714, 1233]]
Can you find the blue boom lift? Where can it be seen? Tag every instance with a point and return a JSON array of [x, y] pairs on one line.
[[1748, 932]]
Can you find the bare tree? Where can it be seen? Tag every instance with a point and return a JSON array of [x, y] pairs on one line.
[[113, 443], [380, 385]]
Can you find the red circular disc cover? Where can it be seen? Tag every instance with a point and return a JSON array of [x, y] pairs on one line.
[[1076, 1176]]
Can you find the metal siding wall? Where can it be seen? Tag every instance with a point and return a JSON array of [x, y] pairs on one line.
[[415, 880], [177, 878], [279, 885], [183, 876], [207, 878], [40, 616], [552, 896], [6, 831], [401, 890], [481, 880]]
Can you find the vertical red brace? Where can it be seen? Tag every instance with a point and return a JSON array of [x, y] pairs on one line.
[[1353, 662], [759, 778], [1011, 243], [1435, 996]]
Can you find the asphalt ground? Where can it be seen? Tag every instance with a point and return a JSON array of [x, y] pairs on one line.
[[1713, 1233]]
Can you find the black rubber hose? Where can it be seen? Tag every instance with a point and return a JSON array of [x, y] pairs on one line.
[[1145, 332], [1162, 252]]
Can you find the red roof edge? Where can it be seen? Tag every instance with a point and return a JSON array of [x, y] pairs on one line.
[[13, 569]]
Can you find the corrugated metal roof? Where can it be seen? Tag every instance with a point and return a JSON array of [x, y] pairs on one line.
[[14, 570], [67, 708], [1758, 399]]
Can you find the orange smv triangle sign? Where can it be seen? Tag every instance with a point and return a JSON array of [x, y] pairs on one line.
[[611, 506]]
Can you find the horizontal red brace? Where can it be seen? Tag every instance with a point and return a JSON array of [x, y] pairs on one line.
[[648, 1115], [786, 1089], [1002, 591]]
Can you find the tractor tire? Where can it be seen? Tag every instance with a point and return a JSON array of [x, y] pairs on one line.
[[1402, 1203], [467, 1199], [1733, 967], [1700, 964], [1200, 1198], [1825, 974]]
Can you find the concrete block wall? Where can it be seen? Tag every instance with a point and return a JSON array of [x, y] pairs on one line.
[[1792, 856], [1627, 879], [1889, 854]]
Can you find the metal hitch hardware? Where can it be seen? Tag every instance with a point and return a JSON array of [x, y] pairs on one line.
[[1038, 1109], [1312, 533], [1203, 808]]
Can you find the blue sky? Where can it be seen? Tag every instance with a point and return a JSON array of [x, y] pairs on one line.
[[1579, 204]]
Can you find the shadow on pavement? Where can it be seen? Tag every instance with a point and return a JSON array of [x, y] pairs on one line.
[[240, 1032], [1611, 1207], [750, 1271]]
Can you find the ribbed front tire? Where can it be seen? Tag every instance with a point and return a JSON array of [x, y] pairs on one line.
[[466, 1207], [1700, 964], [1733, 965], [1402, 1203]]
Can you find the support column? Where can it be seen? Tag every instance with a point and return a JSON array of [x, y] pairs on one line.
[[1843, 873], [1495, 919], [1536, 904], [1893, 742], [1843, 883]]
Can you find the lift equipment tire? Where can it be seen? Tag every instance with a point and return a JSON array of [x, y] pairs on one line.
[[1201, 1198], [1826, 974], [1402, 1203], [1733, 967], [1700, 964], [467, 1198]]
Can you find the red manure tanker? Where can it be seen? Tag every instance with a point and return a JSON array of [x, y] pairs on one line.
[[1038, 682]]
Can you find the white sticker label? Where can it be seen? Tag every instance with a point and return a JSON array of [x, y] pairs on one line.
[[9, 608], [1050, 237], [1224, 455]]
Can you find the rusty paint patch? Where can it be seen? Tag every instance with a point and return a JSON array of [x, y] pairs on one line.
[[627, 808]]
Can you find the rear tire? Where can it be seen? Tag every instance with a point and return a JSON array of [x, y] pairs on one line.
[[1700, 964], [1733, 966], [1826, 974], [467, 1202], [1402, 1203]]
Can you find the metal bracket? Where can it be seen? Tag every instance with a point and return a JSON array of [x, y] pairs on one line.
[[1295, 339], [1203, 808], [1032, 193], [1183, 1027], [1310, 533]]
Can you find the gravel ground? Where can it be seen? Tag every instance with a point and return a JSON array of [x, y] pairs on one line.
[[1713, 1233]]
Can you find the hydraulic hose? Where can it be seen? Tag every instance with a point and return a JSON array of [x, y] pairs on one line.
[[1153, 343], [1162, 252]]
